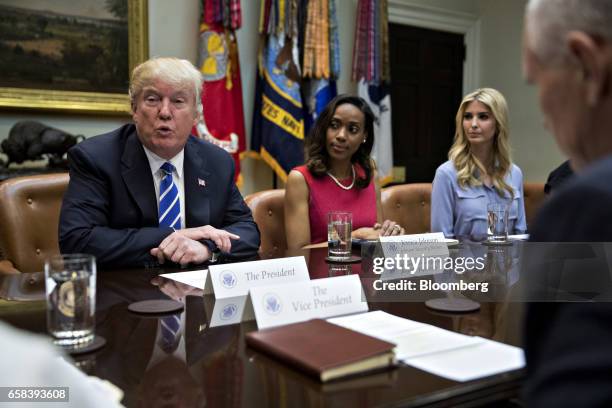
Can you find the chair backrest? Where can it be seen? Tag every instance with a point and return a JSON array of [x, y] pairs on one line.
[[29, 218], [269, 213], [534, 198], [409, 205]]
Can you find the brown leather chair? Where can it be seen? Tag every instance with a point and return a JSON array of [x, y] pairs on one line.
[[409, 205], [269, 214], [534, 198], [29, 218]]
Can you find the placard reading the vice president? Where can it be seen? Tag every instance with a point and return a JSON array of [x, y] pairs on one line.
[[230, 280], [297, 302]]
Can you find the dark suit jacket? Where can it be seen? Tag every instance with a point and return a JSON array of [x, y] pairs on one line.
[[568, 346], [110, 207], [558, 177]]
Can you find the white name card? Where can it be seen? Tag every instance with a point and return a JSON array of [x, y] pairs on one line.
[[226, 311], [431, 237], [318, 298], [411, 254], [197, 279], [231, 280]]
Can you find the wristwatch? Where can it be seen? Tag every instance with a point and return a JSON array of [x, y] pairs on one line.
[[214, 255], [215, 252]]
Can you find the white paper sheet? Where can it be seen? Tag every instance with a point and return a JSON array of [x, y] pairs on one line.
[[412, 338], [518, 237], [197, 279], [441, 352], [469, 363]]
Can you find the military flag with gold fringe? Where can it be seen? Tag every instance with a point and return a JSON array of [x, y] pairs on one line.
[[371, 70], [294, 34], [222, 119]]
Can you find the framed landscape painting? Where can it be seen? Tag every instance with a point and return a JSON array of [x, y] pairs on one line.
[[70, 55]]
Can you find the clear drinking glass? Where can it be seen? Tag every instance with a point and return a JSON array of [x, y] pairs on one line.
[[497, 222], [339, 229], [70, 282]]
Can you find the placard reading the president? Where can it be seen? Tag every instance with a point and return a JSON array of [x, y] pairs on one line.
[[298, 302], [230, 280]]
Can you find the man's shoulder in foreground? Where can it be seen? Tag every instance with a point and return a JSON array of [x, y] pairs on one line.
[[580, 211]]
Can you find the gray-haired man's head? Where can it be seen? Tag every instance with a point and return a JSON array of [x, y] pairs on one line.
[[567, 53]]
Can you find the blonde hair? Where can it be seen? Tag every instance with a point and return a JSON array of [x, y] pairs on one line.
[[460, 153], [177, 72]]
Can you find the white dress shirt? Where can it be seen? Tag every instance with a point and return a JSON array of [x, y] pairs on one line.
[[177, 176], [30, 360]]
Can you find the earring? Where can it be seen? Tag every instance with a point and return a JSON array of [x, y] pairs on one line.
[[364, 140]]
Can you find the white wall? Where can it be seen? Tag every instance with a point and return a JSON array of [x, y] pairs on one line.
[[534, 149], [172, 32], [465, 6]]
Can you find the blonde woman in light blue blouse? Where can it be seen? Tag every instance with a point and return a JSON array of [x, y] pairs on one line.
[[479, 171]]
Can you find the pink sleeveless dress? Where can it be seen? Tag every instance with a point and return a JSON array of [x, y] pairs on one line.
[[326, 196]]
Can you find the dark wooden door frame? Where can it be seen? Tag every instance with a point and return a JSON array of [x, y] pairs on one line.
[[434, 18], [440, 20]]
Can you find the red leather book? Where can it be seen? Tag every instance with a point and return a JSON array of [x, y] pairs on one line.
[[323, 349]]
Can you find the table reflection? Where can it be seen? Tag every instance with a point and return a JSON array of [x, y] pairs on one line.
[[192, 373], [209, 364]]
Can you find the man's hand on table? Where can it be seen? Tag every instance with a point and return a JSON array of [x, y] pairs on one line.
[[183, 246]]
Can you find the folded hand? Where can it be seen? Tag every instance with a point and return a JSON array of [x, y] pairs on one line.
[[178, 248], [220, 237], [388, 228]]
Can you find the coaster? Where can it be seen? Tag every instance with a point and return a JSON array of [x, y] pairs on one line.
[[497, 243], [97, 343], [156, 306], [353, 259], [455, 305]]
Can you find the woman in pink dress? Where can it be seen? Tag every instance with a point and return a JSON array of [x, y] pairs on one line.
[[338, 175]]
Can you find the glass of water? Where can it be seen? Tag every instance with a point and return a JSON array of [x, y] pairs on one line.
[[497, 222], [70, 283], [339, 229]]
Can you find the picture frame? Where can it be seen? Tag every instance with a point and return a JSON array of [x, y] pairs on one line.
[[68, 101]]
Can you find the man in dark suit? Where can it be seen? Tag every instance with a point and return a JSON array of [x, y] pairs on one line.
[[558, 177], [149, 192], [568, 55]]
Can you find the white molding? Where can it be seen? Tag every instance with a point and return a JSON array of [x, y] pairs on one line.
[[440, 19]]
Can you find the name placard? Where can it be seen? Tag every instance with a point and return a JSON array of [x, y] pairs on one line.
[[197, 279], [225, 311], [412, 255], [231, 280], [298, 302]]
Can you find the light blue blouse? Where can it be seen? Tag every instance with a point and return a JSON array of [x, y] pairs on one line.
[[462, 212]]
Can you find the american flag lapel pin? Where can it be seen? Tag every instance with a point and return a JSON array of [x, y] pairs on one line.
[[201, 183]]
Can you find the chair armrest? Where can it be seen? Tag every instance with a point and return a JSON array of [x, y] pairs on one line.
[[7, 268]]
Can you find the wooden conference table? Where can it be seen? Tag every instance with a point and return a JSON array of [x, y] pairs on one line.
[[216, 369]]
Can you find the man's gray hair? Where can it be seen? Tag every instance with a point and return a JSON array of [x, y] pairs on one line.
[[549, 22], [177, 72]]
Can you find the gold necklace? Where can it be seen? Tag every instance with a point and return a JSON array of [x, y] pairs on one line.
[[342, 186]]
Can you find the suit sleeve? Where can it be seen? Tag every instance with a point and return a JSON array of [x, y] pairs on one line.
[[84, 220], [568, 348], [239, 220]]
